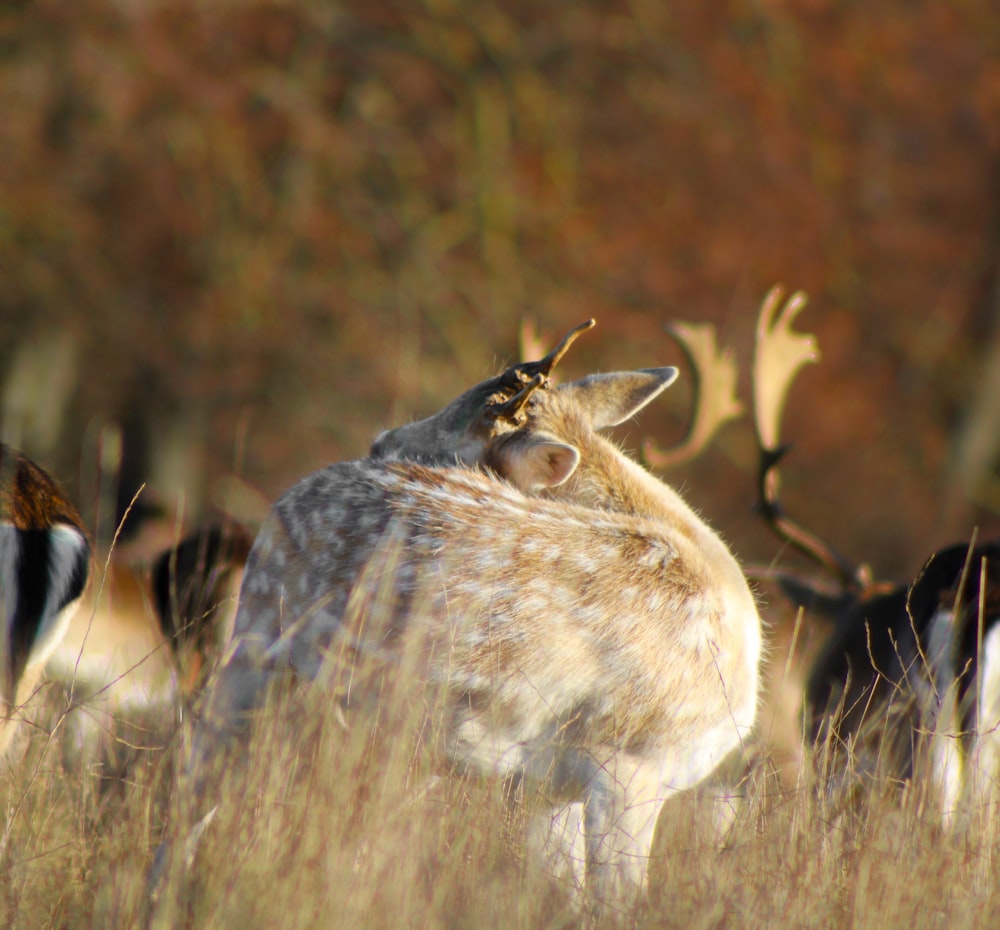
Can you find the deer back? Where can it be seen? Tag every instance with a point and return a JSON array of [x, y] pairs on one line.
[[331, 511], [494, 589]]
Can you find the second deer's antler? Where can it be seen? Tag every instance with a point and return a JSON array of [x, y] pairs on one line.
[[779, 355], [713, 373]]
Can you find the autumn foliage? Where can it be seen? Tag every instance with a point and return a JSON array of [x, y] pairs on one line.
[[272, 228]]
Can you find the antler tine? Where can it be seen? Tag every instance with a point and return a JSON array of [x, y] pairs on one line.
[[714, 374], [509, 409], [544, 366], [779, 354]]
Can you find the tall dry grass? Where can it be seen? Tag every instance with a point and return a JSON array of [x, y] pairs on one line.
[[331, 822]]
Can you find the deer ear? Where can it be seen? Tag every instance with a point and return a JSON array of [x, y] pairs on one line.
[[612, 398], [535, 461]]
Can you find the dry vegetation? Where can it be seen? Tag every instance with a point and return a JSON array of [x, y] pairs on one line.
[[326, 825]]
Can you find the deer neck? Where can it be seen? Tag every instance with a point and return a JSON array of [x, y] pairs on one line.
[[607, 479], [610, 480]]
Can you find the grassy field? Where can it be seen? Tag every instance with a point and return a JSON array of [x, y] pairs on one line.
[[329, 823]]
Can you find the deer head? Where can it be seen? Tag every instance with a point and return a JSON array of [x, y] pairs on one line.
[[462, 429], [558, 438]]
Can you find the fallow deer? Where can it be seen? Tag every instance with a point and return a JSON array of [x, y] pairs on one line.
[[193, 584], [606, 643], [44, 565], [105, 650], [911, 671]]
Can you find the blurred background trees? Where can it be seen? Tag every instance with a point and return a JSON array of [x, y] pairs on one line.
[[247, 235]]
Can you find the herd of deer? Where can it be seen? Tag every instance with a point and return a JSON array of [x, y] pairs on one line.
[[581, 626]]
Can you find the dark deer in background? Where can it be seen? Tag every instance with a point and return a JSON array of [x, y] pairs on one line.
[[909, 679], [44, 565], [195, 585]]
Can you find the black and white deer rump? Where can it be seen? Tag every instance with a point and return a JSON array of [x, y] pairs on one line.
[[915, 670], [44, 563], [908, 682], [581, 627]]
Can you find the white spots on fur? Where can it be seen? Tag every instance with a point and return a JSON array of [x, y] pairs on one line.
[[657, 556]]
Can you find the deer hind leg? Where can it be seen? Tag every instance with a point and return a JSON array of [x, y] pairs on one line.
[[557, 842], [52, 578], [599, 847], [984, 763], [245, 674], [939, 711], [283, 623], [619, 817]]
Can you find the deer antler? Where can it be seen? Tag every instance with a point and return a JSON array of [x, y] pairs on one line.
[[528, 370], [779, 354], [511, 408], [714, 374]]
